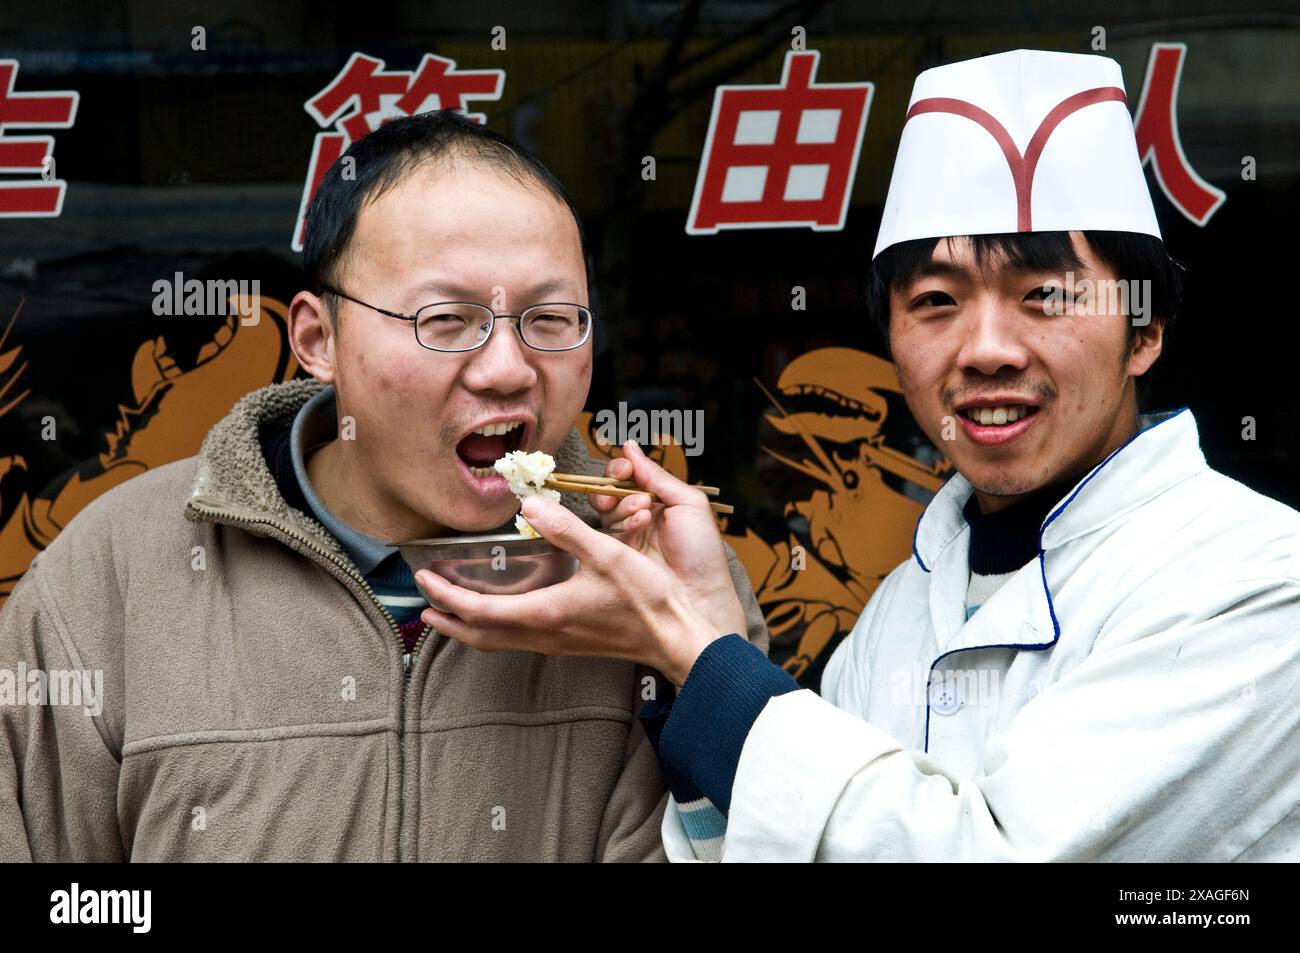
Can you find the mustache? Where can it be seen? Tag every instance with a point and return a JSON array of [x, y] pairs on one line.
[[1043, 391], [454, 429]]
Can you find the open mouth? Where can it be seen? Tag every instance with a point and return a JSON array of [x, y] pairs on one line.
[[998, 416], [488, 444], [993, 427]]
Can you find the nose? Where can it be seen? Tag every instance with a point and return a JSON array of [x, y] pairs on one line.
[[992, 339], [504, 364]]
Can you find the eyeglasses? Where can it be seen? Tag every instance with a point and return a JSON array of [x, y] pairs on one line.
[[466, 326]]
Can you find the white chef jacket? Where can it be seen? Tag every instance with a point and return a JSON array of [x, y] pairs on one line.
[[1133, 694]]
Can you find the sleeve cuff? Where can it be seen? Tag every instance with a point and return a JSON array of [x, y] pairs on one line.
[[703, 731], [654, 715]]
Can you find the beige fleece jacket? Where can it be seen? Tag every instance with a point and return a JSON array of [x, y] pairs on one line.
[[254, 705]]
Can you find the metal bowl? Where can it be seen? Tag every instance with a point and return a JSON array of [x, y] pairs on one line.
[[498, 564]]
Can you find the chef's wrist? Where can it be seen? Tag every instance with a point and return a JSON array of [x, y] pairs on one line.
[[685, 635]]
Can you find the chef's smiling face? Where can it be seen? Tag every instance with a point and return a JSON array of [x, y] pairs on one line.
[[1017, 397], [428, 423]]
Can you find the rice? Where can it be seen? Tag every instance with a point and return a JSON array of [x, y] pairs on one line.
[[526, 474]]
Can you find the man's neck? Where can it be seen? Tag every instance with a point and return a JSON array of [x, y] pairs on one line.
[[354, 500], [1126, 425], [1005, 540]]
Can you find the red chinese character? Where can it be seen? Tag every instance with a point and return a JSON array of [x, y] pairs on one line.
[[1156, 128], [364, 95], [437, 84], [50, 110], [359, 97], [781, 156]]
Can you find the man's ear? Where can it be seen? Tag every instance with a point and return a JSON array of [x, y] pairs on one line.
[[312, 336], [1148, 343]]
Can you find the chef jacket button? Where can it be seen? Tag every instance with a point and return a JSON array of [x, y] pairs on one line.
[[944, 696]]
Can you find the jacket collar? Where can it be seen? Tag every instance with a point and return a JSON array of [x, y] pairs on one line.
[[1165, 450], [232, 478], [316, 423]]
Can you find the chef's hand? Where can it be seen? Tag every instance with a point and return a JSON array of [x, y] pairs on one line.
[[680, 534], [620, 604]]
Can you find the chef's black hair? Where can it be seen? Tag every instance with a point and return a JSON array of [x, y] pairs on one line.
[[1129, 255], [381, 159]]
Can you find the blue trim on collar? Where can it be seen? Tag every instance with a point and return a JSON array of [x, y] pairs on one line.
[[1042, 564], [916, 552], [1162, 414], [1169, 415]]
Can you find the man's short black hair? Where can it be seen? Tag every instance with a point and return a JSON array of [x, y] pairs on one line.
[[384, 157], [1130, 256]]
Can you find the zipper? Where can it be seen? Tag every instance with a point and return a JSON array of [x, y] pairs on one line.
[[408, 658]]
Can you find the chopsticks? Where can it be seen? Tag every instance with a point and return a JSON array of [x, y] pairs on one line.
[[608, 486], [621, 484]]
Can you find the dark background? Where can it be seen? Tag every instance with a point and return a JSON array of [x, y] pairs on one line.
[[195, 161]]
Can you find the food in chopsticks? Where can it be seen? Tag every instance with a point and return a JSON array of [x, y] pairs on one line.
[[526, 474]]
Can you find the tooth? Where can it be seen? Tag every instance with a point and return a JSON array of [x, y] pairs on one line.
[[998, 416], [496, 430]]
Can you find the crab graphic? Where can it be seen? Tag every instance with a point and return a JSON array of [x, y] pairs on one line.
[[174, 407], [813, 585]]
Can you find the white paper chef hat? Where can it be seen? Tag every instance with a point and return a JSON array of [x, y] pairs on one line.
[[1026, 141]]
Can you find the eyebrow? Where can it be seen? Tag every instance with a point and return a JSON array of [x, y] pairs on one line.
[[439, 290], [932, 268]]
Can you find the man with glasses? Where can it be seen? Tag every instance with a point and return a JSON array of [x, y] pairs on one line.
[[270, 692]]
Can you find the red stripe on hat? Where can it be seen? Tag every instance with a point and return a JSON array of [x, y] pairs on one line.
[[1022, 167]]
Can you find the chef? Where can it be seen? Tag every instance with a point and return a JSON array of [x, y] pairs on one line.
[[1094, 651]]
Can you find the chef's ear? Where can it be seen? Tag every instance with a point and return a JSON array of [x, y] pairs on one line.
[[1146, 346], [313, 334]]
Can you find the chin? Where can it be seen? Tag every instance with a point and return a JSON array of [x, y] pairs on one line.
[[1004, 484], [477, 520]]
